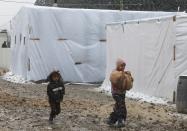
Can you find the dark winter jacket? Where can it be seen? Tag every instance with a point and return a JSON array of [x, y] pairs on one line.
[[55, 90]]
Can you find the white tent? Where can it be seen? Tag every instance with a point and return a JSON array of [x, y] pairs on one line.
[[70, 40], [155, 51]]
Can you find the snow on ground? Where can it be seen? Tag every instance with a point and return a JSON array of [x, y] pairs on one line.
[[9, 76], [139, 96], [146, 98]]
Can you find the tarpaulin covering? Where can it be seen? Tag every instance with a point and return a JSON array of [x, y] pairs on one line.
[[181, 46]]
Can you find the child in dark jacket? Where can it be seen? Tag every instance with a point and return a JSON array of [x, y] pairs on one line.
[[55, 92]]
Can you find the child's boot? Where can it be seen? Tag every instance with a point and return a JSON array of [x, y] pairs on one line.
[[120, 123], [50, 120]]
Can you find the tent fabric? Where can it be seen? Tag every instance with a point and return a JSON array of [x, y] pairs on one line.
[[69, 40], [147, 48], [181, 46]]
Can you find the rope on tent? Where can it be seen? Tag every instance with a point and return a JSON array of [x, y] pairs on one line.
[[159, 54], [165, 71]]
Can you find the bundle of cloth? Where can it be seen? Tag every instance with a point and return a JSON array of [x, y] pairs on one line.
[[122, 79]]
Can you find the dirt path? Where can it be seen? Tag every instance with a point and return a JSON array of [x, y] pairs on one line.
[[25, 107]]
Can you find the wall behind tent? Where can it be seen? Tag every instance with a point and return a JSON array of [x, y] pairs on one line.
[[5, 56], [9, 8], [3, 37], [164, 5], [147, 48], [54, 40], [5, 53]]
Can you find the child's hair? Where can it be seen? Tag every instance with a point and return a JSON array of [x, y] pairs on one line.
[[50, 77], [120, 61]]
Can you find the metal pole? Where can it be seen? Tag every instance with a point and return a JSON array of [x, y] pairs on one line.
[[121, 4], [55, 3]]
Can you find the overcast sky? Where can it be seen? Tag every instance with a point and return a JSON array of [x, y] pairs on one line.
[[9, 8]]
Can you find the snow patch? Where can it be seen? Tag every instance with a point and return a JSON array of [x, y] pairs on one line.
[[146, 98], [9, 76], [138, 96]]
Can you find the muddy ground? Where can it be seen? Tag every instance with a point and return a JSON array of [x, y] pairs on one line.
[[24, 107]]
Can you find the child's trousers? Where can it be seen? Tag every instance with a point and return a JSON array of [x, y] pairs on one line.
[[55, 109], [119, 112]]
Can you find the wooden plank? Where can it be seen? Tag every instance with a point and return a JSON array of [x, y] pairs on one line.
[[102, 40], [34, 38], [62, 39]]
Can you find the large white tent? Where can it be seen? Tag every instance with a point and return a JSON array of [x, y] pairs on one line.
[[69, 40], [155, 51]]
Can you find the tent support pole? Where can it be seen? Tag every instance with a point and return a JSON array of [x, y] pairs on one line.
[[174, 96], [174, 52]]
